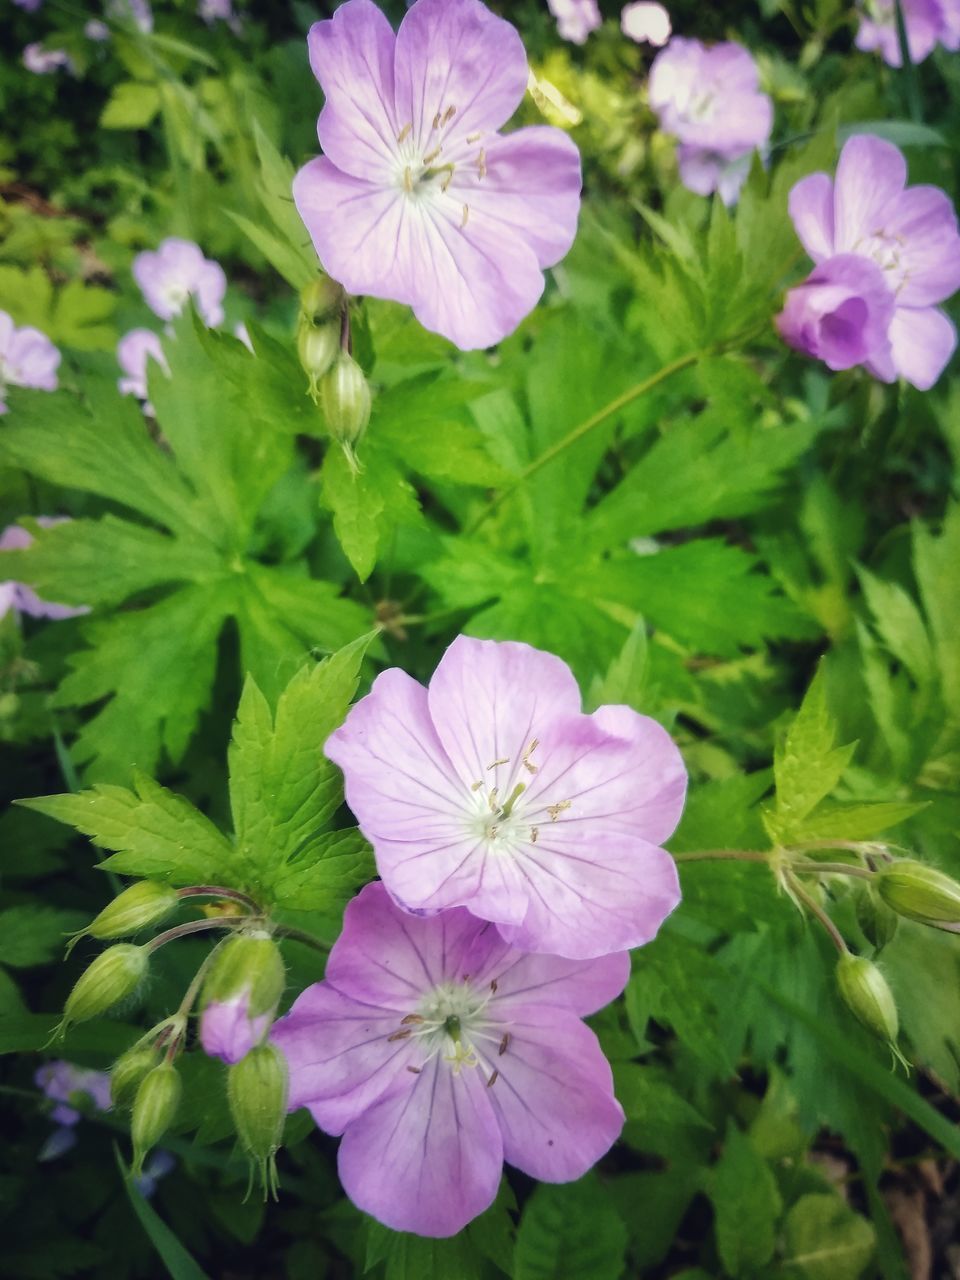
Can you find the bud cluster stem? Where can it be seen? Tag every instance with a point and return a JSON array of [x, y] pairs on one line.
[[815, 909], [194, 926]]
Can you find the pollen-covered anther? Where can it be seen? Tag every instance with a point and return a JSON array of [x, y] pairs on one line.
[[400, 1035], [494, 1078], [411, 1017], [555, 810], [534, 834], [429, 159], [465, 217], [525, 759], [482, 163], [404, 131], [408, 181], [493, 987], [504, 759], [504, 1041]]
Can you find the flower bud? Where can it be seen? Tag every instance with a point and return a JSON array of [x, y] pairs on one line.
[[115, 974], [154, 1108], [145, 903], [257, 1092], [346, 402], [877, 922], [317, 346], [250, 966], [921, 893], [129, 1071], [321, 300], [865, 992]]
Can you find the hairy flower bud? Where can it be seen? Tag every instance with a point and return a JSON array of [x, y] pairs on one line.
[[321, 300], [257, 1092], [921, 893], [865, 992], [250, 965], [145, 903], [129, 1071], [115, 974], [154, 1108], [877, 922], [317, 347], [346, 402]]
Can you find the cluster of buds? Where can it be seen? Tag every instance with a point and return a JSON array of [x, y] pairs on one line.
[[336, 381], [239, 984]]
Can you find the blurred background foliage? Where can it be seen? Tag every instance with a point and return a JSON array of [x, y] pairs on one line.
[[700, 553]]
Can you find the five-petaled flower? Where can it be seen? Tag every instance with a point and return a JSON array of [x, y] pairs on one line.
[[908, 233], [178, 271], [926, 23], [438, 1051], [27, 358], [492, 790], [417, 197]]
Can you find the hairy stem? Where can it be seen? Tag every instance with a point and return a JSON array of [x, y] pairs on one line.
[[218, 891], [194, 926], [300, 935], [729, 855], [818, 912]]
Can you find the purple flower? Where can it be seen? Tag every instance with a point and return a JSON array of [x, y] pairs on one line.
[[909, 233], [417, 197], [646, 22], [62, 1082], [491, 790], [136, 12], [96, 30], [841, 314], [228, 1032], [710, 99], [159, 1164], [16, 596], [438, 1052], [575, 18], [42, 61], [133, 351], [31, 6], [27, 359], [177, 271], [924, 21], [220, 11]]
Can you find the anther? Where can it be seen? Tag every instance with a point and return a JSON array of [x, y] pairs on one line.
[[404, 131], [534, 834], [494, 1078], [555, 810], [492, 800], [482, 163], [447, 180], [432, 156], [527, 764], [416, 1070], [411, 1017], [474, 137], [504, 1041], [506, 759], [399, 1035], [448, 115], [475, 786], [466, 215], [493, 987], [408, 180]]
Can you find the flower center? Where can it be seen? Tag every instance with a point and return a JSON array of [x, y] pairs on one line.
[[886, 250], [500, 815], [450, 1021], [426, 168]]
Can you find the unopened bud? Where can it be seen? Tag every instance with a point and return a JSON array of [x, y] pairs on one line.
[[866, 994], [145, 903], [115, 974], [317, 347], [129, 1071], [877, 922], [154, 1108], [257, 1092], [250, 966], [320, 300], [346, 402], [921, 893]]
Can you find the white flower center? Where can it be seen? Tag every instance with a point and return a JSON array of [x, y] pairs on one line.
[[451, 1021], [886, 250], [501, 813], [424, 170]]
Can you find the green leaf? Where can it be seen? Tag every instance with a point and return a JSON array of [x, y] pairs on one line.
[[32, 1032], [366, 505], [325, 873], [806, 764], [175, 1257], [410, 1257], [747, 1205], [855, 821], [32, 934], [626, 676], [276, 195], [900, 626], [152, 831], [659, 1118], [570, 1230], [936, 563], [826, 1240], [282, 789], [131, 105], [902, 133]]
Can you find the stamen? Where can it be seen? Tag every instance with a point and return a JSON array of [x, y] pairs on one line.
[[474, 137], [482, 163], [527, 764], [400, 1035], [493, 987], [404, 131], [416, 1070], [555, 810], [411, 1017], [534, 834], [448, 115], [436, 121], [492, 800], [447, 180], [506, 759], [466, 215], [494, 1078], [408, 181], [475, 786], [432, 156], [505, 1040]]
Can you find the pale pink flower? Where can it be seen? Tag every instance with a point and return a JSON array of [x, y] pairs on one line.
[[646, 22], [134, 350], [923, 20], [575, 18], [27, 358], [17, 596], [178, 271]]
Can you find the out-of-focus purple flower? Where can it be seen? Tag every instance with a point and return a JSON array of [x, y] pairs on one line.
[[220, 11], [417, 197], [137, 12], [27, 358], [22, 599], [228, 1032], [31, 6], [62, 1082], [42, 61], [910, 234], [158, 1165], [96, 30], [924, 21], [710, 100], [841, 314], [575, 18], [177, 271], [439, 1052], [493, 791], [646, 22], [133, 351]]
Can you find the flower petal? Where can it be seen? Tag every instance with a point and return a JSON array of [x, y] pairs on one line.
[[426, 1160], [387, 957], [553, 1095], [590, 897], [658, 776], [527, 187], [340, 1056], [870, 173], [811, 209], [923, 340], [351, 54], [456, 57], [923, 223], [581, 986]]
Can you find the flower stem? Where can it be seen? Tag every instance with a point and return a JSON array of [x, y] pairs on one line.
[[193, 926], [815, 909], [300, 935], [218, 891], [730, 855], [830, 868]]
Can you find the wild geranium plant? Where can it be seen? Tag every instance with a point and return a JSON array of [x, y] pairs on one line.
[[498, 630]]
